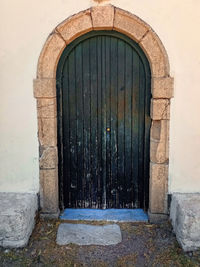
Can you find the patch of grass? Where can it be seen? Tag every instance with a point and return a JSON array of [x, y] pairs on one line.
[[174, 256], [133, 228], [142, 243], [14, 258]]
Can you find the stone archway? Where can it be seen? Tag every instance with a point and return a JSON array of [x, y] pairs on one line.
[[103, 18]]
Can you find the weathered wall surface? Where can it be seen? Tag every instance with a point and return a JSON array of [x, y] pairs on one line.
[[24, 28]]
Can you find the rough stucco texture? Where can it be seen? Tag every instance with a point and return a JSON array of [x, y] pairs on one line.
[[24, 29]]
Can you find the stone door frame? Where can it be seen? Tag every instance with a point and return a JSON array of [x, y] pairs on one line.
[[103, 18]]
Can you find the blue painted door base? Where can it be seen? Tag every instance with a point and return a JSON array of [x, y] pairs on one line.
[[115, 215]]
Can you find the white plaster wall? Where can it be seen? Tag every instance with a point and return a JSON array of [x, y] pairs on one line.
[[24, 27]]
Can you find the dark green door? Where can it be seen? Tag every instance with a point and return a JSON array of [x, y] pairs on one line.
[[103, 87]]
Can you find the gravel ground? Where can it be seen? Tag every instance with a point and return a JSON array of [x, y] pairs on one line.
[[143, 244]]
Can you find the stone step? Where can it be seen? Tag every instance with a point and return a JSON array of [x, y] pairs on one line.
[[84, 234]]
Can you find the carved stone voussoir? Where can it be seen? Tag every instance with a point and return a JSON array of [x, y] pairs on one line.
[[50, 55], [75, 26], [102, 17], [129, 24], [156, 54]]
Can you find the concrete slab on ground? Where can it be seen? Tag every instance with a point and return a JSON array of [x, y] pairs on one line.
[[114, 215], [84, 234], [185, 217], [17, 218]]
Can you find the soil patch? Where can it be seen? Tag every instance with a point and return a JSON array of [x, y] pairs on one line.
[[143, 244]]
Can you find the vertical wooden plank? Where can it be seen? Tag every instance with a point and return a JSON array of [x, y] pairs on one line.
[[86, 99], [103, 130], [127, 133], [114, 132], [59, 85], [121, 107], [135, 122], [94, 140], [99, 120], [72, 137], [66, 131], [141, 131], [80, 119], [108, 122], [147, 125]]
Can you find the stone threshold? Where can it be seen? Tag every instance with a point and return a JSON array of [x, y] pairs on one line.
[[113, 215]]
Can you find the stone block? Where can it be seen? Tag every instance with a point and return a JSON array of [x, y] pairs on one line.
[[102, 17], [44, 88], [129, 24], [46, 108], [160, 109], [85, 234], [185, 217], [75, 26], [49, 190], [158, 188], [50, 55], [156, 54], [162, 87], [159, 143], [47, 131], [17, 218], [49, 158]]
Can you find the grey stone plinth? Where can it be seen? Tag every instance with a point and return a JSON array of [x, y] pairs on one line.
[[84, 234], [17, 218], [157, 218], [185, 217]]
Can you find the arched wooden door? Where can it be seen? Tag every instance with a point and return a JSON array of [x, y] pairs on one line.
[[103, 91]]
